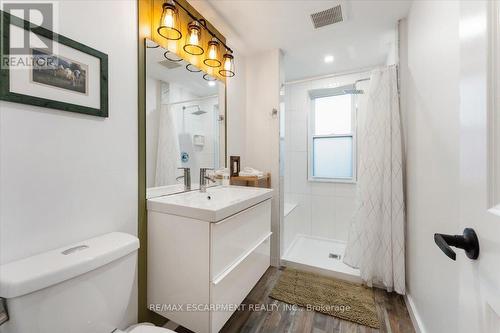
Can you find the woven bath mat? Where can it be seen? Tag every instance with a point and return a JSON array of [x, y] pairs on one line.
[[341, 299]]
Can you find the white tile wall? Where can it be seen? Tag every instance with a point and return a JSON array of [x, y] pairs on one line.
[[324, 209], [298, 127], [323, 216], [298, 172]]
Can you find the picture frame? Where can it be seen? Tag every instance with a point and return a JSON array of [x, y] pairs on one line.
[[74, 79], [235, 166]]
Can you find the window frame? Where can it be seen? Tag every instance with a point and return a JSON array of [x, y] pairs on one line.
[[311, 137]]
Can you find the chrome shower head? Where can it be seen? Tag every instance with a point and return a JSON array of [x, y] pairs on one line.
[[198, 110]]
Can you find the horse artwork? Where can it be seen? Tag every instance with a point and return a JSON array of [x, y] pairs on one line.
[[59, 72]]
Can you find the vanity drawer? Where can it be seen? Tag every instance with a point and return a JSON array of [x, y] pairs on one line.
[[234, 285], [233, 237]]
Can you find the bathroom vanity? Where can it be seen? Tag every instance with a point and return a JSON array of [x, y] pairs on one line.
[[206, 251]]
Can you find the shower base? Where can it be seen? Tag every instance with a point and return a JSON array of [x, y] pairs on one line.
[[320, 255]]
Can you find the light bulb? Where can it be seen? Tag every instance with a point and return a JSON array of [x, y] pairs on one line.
[[193, 39], [228, 68], [213, 53], [169, 18]]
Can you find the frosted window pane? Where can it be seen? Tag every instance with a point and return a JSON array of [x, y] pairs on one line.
[[332, 115], [332, 157]]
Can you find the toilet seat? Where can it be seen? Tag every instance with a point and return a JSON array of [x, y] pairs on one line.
[[147, 328], [150, 329]]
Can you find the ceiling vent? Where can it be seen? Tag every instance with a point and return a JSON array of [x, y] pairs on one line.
[[327, 17], [169, 64]]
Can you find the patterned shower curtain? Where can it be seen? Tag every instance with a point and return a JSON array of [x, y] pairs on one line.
[[376, 241], [168, 148]]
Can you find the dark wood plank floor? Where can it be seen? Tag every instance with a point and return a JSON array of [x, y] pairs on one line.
[[274, 316]]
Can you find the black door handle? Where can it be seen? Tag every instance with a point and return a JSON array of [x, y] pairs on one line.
[[468, 242]]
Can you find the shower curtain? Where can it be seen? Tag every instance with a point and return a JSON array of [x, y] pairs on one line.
[[376, 240], [168, 147]]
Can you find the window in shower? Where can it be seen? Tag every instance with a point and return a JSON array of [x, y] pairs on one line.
[[332, 138]]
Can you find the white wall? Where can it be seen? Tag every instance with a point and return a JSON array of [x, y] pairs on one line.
[[430, 104], [323, 209], [263, 75], [64, 176], [236, 109]]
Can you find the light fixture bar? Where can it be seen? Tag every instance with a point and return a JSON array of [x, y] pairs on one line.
[[203, 23]]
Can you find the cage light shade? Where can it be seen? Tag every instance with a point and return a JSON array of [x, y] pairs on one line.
[[169, 22], [193, 39], [212, 58], [227, 69]]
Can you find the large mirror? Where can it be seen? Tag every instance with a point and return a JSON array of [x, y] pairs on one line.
[[185, 122]]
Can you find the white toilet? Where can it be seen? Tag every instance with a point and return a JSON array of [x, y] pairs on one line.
[[87, 287], [144, 328]]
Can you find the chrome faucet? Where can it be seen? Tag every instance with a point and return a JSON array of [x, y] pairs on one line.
[[204, 178], [187, 178]]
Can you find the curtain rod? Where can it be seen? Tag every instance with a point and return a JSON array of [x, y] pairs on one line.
[[361, 80], [327, 76], [190, 100]]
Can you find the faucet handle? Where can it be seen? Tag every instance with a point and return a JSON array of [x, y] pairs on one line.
[[187, 178], [203, 172]]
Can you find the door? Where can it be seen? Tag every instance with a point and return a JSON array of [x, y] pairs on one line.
[[480, 165]]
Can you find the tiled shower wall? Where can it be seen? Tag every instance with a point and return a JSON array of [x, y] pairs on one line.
[[324, 209]]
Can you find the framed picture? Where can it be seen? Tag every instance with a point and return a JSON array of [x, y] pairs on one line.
[[59, 74]]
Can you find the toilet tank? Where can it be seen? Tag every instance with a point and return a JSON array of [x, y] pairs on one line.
[[87, 287]]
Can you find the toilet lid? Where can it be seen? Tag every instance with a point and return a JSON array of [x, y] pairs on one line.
[[150, 329]]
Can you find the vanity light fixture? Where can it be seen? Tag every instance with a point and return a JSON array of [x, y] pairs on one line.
[[169, 22], [208, 78], [193, 39], [228, 66], [172, 56], [212, 59], [169, 29], [211, 83], [192, 68]]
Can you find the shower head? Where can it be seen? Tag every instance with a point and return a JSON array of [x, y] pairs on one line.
[[197, 112]]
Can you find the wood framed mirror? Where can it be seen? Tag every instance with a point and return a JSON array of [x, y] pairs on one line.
[[149, 14]]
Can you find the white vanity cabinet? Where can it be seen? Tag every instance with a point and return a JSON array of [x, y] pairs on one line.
[[199, 271]]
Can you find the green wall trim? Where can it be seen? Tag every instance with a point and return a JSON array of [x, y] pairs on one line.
[[143, 312]]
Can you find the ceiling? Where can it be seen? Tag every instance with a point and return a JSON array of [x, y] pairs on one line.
[[362, 41]]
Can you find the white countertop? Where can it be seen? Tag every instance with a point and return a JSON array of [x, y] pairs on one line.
[[216, 204]]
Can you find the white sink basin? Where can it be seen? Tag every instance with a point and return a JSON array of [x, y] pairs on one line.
[[216, 204]]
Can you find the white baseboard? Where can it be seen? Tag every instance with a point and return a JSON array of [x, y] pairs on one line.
[[414, 316]]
